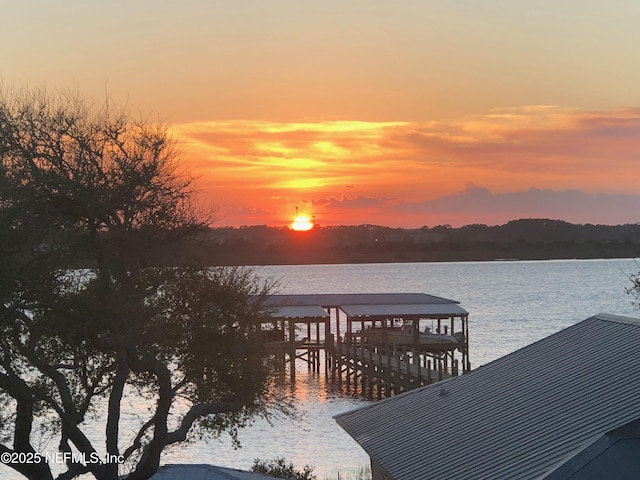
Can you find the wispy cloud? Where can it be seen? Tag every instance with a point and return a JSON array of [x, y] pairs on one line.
[[348, 203], [345, 164], [477, 204]]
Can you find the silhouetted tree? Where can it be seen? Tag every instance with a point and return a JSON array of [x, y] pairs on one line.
[[92, 188]]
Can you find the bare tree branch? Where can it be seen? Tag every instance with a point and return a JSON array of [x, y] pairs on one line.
[[199, 411]]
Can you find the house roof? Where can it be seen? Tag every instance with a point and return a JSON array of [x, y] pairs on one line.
[[374, 305], [205, 472], [619, 447], [518, 417]]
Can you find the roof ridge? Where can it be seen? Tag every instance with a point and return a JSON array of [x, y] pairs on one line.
[[610, 317]]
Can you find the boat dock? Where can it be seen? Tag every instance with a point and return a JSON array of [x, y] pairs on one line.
[[419, 339], [371, 373]]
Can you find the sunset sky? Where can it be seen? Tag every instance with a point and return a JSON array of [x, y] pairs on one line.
[[408, 113]]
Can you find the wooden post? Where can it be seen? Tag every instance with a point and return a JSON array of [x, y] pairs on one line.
[[335, 363], [407, 380], [398, 374], [348, 369], [316, 359], [378, 375], [370, 372], [356, 356], [446, 360], [467, 367], [388, 376], [328, 354], [292, 349], [327, 329]]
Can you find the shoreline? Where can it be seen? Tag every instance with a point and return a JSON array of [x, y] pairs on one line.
[[520, 240]]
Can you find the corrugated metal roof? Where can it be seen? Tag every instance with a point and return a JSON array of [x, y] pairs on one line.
[[365, 304], [330, 299], [421, 310], [205, 472], [517, 417], [300, 311]]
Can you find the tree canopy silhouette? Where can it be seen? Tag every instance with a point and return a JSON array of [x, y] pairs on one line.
[[88, 197]]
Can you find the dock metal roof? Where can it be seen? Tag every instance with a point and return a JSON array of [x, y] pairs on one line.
[[519, 417], [301, 311], [381, 305], [411, 310]]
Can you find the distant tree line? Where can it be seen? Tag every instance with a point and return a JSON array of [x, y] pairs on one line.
[[526, 239]]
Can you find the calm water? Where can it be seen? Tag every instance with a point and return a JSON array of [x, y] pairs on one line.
[[511, 304]]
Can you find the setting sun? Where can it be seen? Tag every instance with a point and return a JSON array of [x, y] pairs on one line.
[[302, 224]]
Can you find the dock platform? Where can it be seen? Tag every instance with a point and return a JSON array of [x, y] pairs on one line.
[[332, 326]]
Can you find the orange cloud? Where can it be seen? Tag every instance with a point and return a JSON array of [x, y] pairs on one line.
[[266, 166]]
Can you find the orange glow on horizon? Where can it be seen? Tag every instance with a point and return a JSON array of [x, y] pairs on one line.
[[388, 172]]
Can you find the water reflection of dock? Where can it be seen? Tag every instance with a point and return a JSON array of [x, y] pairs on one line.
[[373, 344]]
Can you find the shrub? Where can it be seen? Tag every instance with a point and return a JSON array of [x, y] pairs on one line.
[[279, 468]]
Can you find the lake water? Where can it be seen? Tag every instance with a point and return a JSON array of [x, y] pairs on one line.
[[511, 304]]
